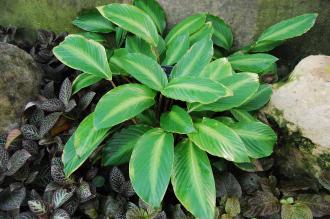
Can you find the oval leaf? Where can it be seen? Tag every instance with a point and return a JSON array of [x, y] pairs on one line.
[[189, 25], [84, 80], [258, 138], [222, 34], [93, 21], [217, 70], [70, 158], [145, 70], [243, 85], [177, 121], [119, 148], [193, 62], [154, 10], [205, 31], [296, 211], [289, 28], [193, 181], [176, 49], [257, 63], [132, 19], [122, 103], [135, 44], [85, 55], [200, 90], [219, 140], [259, 99], [151, 165]]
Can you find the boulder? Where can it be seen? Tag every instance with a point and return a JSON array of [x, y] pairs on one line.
[[20, 78], [301, 108], [54, 15]]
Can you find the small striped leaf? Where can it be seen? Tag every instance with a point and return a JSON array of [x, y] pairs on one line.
[[189, 25], [219, 140], [217, 70], [256, 63], [135, 44], [259, 99], [93, 21], [70, 158], [145, 70], [151, 165], [205, 31], [154, 10], [132, 19], [193, 180], [222, 34], [177, 121], [119, 148], [243, 85], [201, 90], [84, 80], [122, 103], [193, 62], [176, 49], [287, 29], [85, 55], [258, 138]]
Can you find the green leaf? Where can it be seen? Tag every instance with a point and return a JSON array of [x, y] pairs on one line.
[[177, 121], [264, 46], [193, 62], [119, 148], [93, 21], [93, 36], [205, 31], [243, 85], [256, 63], [85, 55], [189, 25], [122, 103], [151, 165], [120, 36], [289, 28], [135, 44], [145, 70], [154, 10], [85, 135], [115, 61], [296, 211], [200, 90], [258, 138], [219, 140], [84, 80], [217, 70], [132, 19], [233, 207], [242, 115], [70, 158], [176, 49], [259, 99], [222, 35], [193, 181]]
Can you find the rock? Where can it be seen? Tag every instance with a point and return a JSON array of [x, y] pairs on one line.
[[301, 108], [54, 15], [248, 18], [20, 77]]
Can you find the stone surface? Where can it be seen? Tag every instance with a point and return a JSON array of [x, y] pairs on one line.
[[55, 15], [20, 77], [301, 108], [248, 18]]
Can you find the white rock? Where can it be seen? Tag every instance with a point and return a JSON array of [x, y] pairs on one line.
[[304, 101]]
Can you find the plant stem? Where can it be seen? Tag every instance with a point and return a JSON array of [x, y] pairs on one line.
[[113, 84]]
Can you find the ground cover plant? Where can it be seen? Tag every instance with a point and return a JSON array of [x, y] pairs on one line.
[[176, 104]]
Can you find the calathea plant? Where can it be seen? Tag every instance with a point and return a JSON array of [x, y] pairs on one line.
[[184, 99]]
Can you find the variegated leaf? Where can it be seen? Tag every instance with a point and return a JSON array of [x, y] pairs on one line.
[[176, 49], [60, 196], [217, 70]]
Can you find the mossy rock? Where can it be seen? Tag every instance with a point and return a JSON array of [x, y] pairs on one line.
[[54, 15], [301, 108]]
